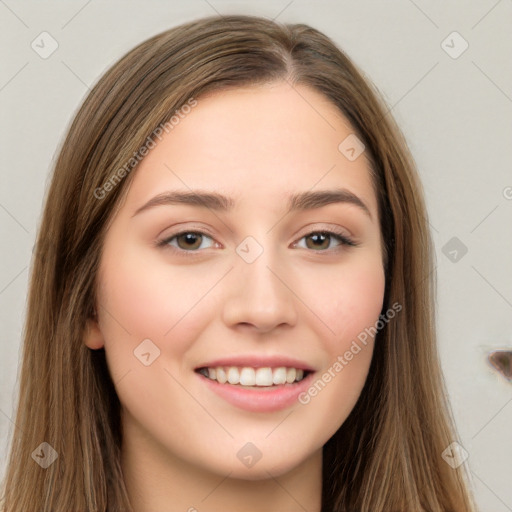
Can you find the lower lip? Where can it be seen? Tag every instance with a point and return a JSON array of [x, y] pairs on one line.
[[270, 400]]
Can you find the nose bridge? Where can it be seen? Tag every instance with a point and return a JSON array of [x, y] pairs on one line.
[[260, 296], [258, 264]]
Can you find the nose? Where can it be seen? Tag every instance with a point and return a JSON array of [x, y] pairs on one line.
[[260, 296]]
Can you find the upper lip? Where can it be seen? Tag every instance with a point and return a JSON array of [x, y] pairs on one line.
[[257, 361]]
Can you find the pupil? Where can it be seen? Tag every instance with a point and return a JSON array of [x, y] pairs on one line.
[[319, 239], [191, 239]]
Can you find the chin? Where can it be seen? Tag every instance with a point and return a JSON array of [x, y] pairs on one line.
[[263, 470], [272, 465]]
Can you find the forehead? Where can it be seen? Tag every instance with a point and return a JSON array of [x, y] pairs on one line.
[[261, 143]]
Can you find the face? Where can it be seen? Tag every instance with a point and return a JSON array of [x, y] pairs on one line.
[[255, 286]]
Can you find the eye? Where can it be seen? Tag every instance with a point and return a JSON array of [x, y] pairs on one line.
[[192, 241], [187, 241], [320, 240]]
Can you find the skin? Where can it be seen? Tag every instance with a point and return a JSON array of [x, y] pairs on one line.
[[256, 145]]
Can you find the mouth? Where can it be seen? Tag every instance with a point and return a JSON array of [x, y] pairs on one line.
[[262, 389], [248, 377]]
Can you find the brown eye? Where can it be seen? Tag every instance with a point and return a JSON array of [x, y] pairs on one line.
[[191, 241], [188, 241], [320, 241]]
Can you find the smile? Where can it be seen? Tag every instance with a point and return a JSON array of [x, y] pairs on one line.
[[254, 377], [269, 389]]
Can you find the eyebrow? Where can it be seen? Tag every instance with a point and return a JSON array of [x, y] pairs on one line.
[[214, 201]]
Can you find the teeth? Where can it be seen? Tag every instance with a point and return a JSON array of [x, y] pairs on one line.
[[279, 376], [248, 376], [233, 375], [263, 376], [221, 375], [290, 375]]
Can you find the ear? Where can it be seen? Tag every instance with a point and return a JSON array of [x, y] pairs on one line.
[[93, 337]]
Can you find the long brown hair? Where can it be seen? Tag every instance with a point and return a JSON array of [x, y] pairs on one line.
[[387, 456]]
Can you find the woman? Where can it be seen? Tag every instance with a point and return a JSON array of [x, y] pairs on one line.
[[232, 305]]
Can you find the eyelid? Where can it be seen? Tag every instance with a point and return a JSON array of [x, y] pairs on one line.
[[345, 241], [326, 228]]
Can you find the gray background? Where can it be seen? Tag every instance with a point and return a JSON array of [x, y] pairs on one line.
[[456, 114]]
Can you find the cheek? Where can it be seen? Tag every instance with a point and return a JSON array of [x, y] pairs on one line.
[[347, 300], [349, 307], [153, 301]]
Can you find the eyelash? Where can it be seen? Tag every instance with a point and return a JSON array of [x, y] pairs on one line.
[[341, 237]]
